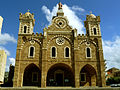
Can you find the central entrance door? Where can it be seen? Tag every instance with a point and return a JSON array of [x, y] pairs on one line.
[[59, 79], [60, 75]]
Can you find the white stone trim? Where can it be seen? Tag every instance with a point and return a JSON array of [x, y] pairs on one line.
[[90, 52], [26, 29], [55, 52], [89, 29], [99, 29], [96, 30], [20, 28], [69, 52], [33, 52]]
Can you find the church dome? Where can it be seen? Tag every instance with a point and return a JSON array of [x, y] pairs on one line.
[[27, 13], [92, 15]]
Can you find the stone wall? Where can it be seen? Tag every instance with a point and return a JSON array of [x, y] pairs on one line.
[[60, 88]]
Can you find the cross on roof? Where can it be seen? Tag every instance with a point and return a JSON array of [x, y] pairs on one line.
[[28, 10], [90, 12]]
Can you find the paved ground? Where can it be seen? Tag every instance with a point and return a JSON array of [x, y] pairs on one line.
[[61, 88]]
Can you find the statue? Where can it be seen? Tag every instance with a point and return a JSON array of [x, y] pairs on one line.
[[60, 5]]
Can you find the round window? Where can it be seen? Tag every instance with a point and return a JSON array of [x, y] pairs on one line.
[[60, 41]]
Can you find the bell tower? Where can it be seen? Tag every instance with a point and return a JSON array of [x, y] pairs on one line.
[[27, 23], [92, 25]]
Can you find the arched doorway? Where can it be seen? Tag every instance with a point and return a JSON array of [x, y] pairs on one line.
[[32, 76], [88, 76], [60, 75]]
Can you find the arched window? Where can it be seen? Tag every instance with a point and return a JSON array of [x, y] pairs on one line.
[[25, 29], [53, 52], [67, 52], [31, 51], [95, 31], [88, 52]]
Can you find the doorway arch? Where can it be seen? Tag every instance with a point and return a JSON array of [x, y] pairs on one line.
[[60, 75], [32, 76], [88, 76]]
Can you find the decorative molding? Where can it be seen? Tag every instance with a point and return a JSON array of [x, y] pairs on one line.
[[59, 36], [90, 52], [33, 52]]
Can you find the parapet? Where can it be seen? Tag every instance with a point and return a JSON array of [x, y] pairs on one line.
[[82, 36], [37, 34]]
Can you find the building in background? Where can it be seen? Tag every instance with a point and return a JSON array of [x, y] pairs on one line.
[[11, 75], [59, 56], [113, 72], [3, 57], [1, 21]]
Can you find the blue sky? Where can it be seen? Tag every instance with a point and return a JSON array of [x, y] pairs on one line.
[[43, 10]]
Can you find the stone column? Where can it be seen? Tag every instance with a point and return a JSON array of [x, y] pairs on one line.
[[93, 80], [44, 68], [77, 73], [16, 74], [43, 79], [17, 68], [77, 80], [20, 79]]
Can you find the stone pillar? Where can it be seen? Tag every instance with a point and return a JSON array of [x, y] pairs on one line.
[[102, 63], [77, 73], [16, 74], [20, 81], [43, 79], [93, 80], [77, 80], [17, 68], [44, 68]]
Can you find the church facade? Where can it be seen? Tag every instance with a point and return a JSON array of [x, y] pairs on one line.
[[59, 56]]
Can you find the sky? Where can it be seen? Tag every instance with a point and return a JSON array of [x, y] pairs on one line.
[[76, 10]]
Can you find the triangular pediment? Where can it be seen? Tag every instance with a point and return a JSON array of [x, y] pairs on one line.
[[59, 24]]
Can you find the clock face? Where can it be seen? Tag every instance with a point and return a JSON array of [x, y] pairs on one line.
[[60, 22], [60, 41]]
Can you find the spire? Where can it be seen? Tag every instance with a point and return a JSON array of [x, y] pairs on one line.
[[60, 10]]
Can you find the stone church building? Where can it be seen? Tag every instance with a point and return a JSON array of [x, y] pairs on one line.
[[59, 56]]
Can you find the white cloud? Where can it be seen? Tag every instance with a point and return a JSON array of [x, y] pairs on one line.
[[112, 52], [5, 38], [73, 19], [111, 48], [7, 68], [7, 52], [77, 8], [12, 61]]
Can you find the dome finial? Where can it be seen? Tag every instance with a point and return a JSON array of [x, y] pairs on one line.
[[90, 12], [92, 15], [28, 10], [60, 6]]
